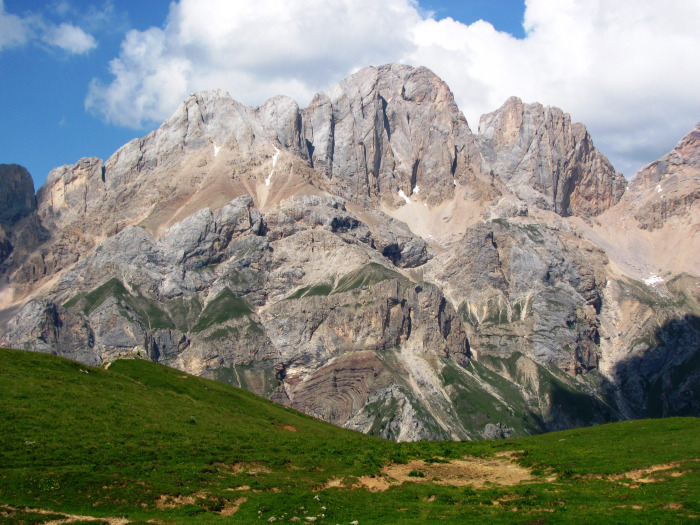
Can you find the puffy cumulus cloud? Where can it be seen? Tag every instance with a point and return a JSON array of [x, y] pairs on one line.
[[255, 50], [35, 27], [70, 38], [626, 68]]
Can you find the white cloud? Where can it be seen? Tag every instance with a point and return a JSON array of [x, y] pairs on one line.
[[626, 68], [70, 38], [255, 50], [17, 30], [13, 30]]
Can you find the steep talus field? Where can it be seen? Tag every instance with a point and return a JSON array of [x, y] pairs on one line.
[[372, 262], [136, 442]]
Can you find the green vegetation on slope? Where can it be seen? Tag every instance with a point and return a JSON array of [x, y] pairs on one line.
[[146, 442], [311, 291], [367, 275], [222, 308], [146, 311], [185, 314], [476, 405]]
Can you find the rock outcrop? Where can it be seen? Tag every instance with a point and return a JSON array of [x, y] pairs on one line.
[[20, 229], [387, 132], [528, 288], [670, 186], [548, 161]]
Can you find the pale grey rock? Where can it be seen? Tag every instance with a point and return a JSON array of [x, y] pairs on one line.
[[204, 237], [522, 288], [305, 212], [316, 328], [390, 237], [117, 331], [547, 161], [280, 120], [668, 187], [388, 129], [393, 414], [496, 431], [5, 246], [203, 120], [18, 226], [42, 326], [395, 240]]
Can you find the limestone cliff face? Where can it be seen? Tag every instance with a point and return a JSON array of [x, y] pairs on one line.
[[548, 161], [388, 130], [670, 186], [369, 261], [528, 288]]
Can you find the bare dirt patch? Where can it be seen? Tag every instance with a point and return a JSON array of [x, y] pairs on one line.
[[72, 518], [375, 484], [232, 507], [10, 512], [673, 506], [333, 483], [475, 472], [652, 474], [461, 472], [241, 488], [252, 469], [167, 501]]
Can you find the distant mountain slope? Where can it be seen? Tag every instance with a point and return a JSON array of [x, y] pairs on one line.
[[372, 262], [134, 441]]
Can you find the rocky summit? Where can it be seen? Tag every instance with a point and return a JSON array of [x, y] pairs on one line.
[[371, 261]]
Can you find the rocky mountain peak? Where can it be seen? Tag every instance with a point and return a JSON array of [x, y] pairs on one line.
[[685, 156], [385, 133], [547, 161], [670, 186]]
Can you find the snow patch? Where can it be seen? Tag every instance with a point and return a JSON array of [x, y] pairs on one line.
[[403, 196], [216, 149], [425, 204], [415, 190], [658, 189], [454, 181], [652, 280], [274, 161]]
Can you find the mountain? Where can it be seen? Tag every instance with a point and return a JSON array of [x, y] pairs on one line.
[[371, 261]]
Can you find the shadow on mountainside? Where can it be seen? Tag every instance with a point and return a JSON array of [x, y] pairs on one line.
[[664, 380]]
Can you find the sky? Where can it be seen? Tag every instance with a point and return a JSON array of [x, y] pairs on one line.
[[80, 78]]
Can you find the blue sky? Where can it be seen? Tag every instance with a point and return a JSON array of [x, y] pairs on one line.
[[44, 124], [81, 78]]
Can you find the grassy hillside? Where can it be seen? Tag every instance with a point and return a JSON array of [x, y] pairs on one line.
[[138, 441]]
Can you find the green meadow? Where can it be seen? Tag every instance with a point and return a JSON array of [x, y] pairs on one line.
[[137, 442]]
